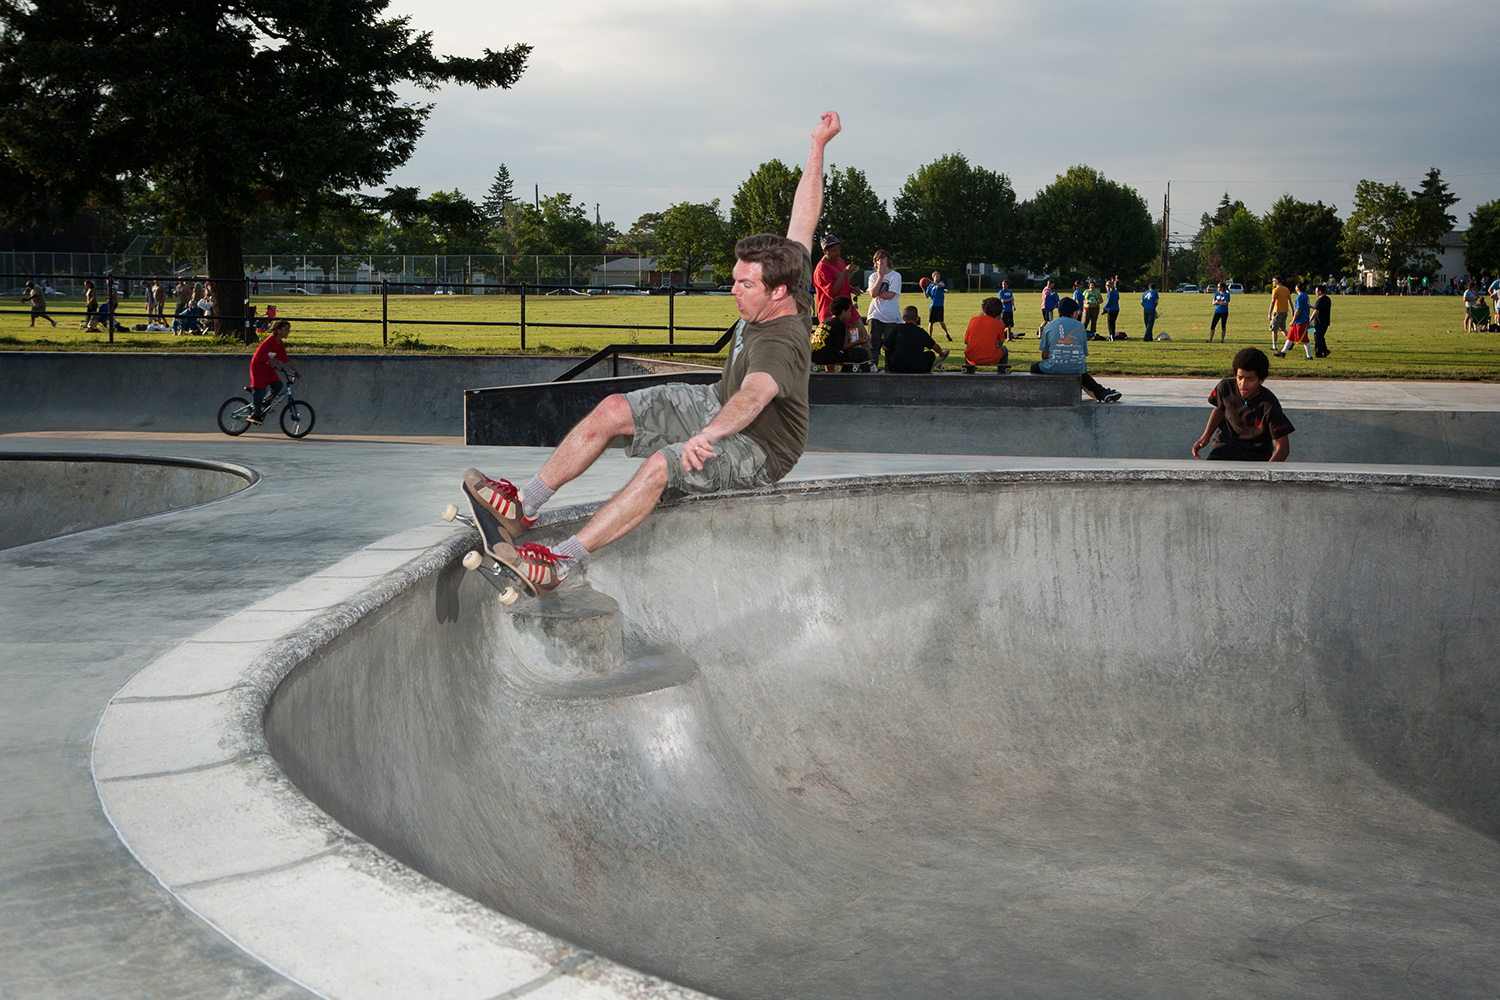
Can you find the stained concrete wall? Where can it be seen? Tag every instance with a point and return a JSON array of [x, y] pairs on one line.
[[46, 496], [351, 394]]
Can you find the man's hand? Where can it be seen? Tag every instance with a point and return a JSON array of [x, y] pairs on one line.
[[828, 126], [1199, 445], [698, 449]]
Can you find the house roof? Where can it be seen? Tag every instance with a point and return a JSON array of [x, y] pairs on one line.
[[1455, 238], [628, 265]]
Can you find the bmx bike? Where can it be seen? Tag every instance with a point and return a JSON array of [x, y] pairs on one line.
[[296, 415]]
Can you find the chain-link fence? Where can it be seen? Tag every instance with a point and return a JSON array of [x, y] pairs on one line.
[[272, 274]]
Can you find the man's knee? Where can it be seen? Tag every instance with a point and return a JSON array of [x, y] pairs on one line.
[[612, 415]]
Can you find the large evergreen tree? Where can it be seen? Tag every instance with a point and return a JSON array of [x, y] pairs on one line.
[[223, 111], [854, 213]]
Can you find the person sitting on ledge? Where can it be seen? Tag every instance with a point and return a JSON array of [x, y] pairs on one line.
[[834, 344], [1065, 351], [984, 340], [1246, 415], [910, 349]]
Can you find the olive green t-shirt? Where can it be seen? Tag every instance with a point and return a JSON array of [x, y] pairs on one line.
[[782, 349]]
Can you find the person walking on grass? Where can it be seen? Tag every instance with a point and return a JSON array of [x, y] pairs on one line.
[[1281, 304], [1322, 310], [1297, 332], [38, 299], [90, 308], [1149, 299], [1221, 313], [1049, 301]]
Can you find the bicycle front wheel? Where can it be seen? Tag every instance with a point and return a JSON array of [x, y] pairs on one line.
[[234, 416], [297, 419]]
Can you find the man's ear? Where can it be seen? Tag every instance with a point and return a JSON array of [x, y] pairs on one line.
[[778, 293]]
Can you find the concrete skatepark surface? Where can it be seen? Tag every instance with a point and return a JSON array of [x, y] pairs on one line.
[[1080, 737], [81, 615], [44, 496]]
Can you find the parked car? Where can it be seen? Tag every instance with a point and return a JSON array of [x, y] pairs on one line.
[[1235, 288], [1187, 288]]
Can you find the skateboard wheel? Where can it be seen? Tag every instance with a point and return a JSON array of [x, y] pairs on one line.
[[508, 596], [473, 560], [450, 512]]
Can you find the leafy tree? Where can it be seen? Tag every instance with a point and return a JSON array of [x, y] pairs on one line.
[[1391, 227], [950, 214], [1305, 238], [690, 237], [854, 212], [763, 203], [1222, 216], [642, 235], [1083, 221], [223, 111], [1482, 241], [498, 196], [447, 222], [1237, 249], [557, 226]]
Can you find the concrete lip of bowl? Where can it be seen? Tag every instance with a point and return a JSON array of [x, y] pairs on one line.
[[48, 494], [1058, 733]]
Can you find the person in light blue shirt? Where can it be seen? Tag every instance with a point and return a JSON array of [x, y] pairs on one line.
[[1149, 298], [1065, 351], [1008, 310], [1221, 313]]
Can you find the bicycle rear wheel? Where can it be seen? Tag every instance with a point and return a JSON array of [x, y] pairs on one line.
[[297, 419], [234, 416]]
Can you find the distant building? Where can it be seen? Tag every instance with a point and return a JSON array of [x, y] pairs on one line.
[[1452, 263]]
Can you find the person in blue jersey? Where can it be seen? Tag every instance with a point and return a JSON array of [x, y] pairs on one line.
[[1008, 309], [935, 291], [1221, 314], [1112, 307], [1049, 302], [1296, 332], [1149, 298]]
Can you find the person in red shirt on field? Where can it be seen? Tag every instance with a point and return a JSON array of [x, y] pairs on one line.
[[266, 365]]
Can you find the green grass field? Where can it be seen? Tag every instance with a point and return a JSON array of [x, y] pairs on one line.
[[1371, 336]]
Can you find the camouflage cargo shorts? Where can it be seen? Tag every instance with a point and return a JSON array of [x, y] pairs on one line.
[[666, 416]]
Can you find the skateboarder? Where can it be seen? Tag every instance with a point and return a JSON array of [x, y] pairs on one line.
[[1246, 415], [746, 431]]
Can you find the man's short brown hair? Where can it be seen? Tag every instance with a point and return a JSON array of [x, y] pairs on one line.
[[990, 306], [780, 259]]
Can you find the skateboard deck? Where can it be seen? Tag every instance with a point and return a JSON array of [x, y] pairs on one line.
[[486, 563]]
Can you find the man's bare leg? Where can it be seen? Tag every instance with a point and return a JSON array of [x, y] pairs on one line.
[[587, 441], [629, 507]]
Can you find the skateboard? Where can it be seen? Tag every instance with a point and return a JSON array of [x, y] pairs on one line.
[[507, 581]]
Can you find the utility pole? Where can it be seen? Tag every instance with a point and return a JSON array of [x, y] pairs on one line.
[[1166, 234], [536, 197]]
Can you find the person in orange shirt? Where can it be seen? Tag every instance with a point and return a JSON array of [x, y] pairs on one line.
[[984, 340], [1281, 304]]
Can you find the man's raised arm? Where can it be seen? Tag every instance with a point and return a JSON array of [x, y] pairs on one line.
[[807, 206]]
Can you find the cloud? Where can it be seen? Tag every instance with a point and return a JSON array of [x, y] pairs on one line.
[[636, 106]]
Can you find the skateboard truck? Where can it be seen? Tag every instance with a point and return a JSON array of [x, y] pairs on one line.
[[500, 576]]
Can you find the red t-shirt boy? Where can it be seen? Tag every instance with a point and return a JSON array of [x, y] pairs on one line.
[[269, 356]]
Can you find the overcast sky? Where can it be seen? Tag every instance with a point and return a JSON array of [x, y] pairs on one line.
[[637, 105]]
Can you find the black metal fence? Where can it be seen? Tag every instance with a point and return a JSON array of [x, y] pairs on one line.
[[239, 319]]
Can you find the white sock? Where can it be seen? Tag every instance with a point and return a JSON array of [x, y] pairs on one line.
[[534, 494], [571, 549]]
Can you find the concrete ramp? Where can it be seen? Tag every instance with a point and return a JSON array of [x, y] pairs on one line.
[[1094, 734], [43, 496]]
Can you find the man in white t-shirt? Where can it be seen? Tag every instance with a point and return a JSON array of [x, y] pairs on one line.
[[885, 303]]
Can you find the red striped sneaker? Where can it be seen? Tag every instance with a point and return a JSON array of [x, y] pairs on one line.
[[539, 566], [501, 497]]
